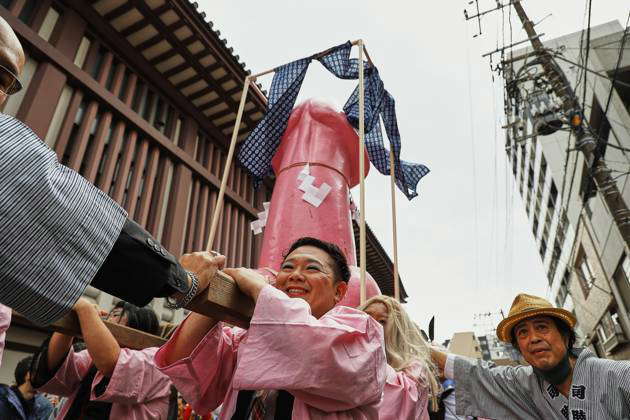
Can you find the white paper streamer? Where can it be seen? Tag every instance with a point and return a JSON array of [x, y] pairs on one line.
[[261, 222]]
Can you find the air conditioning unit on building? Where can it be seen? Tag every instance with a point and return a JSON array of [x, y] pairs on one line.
[[615, 340]]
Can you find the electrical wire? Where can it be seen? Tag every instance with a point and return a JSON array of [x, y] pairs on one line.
[[474, 166]]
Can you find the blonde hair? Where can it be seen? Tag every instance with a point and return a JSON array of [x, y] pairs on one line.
[[404, 345]]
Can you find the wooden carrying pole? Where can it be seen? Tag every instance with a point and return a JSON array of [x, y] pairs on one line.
[[222, 300], [392, 179], [69, 324]]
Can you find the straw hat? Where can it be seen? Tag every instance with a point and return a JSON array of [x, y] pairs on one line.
[[527, 306]]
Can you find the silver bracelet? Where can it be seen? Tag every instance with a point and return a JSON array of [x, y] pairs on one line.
[[192, 292]]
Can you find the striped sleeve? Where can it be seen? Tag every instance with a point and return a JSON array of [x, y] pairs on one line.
[[57, 228], [501, 392]]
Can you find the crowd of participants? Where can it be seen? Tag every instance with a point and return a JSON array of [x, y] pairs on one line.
[[303, 356]]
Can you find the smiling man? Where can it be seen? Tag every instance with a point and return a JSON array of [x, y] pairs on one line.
[[562, 382], [302, 357]]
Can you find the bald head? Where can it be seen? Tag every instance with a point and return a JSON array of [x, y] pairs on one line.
[[11, 52]]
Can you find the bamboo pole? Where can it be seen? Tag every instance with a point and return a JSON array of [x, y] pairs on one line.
[[228, 163], [362, 252], [392, 178]]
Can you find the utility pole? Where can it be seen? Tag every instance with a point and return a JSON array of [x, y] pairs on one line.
[[585, 142], [574, 113]]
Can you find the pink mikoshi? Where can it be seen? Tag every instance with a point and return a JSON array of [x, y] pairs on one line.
[[315, 166]]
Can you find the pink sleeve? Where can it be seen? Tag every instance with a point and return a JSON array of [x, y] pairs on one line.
[[204, 377], [5, 322], [69, 375], [404, 396], [333, 363], [135, 379]]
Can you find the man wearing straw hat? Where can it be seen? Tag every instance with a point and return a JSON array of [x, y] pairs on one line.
[[561, 382]]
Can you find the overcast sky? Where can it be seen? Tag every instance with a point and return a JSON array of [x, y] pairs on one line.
[[465, 245]]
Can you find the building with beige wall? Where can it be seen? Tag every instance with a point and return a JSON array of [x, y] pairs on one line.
[[465, 344], [583, 254]]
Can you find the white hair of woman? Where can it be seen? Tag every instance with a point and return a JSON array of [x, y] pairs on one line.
[[404, 344]]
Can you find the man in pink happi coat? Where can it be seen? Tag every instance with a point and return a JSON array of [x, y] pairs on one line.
[[304, 357]]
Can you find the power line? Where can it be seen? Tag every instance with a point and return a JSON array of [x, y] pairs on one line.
[[618, 82], [474, 168]]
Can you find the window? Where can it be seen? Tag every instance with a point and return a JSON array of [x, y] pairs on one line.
[[28, 11], [80, 56], [584, 272], [57, 119], [139, 97], [514, 165], [177, 131], [562, 229], [78, 119], [98, 62], [563, 291], [553, 192], [148, 112], [124, 85], [602, 333], [48, 26], [159, 121], [621, 278], [112, 73], [543, 167], [552, 270], [588, 189], [609, 331], [90, 143]]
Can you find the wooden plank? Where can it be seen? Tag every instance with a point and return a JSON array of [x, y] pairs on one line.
[[69, 325], [223, 301]]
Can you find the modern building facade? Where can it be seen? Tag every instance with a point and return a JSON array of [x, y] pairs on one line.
[[140, 97], [585, 259], [492, 349]]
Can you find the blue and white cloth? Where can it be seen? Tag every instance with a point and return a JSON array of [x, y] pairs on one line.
[[259, 147]]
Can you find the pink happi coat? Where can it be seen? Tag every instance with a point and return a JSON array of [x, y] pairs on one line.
[[136, 389], [405, 396], [334, 366]]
